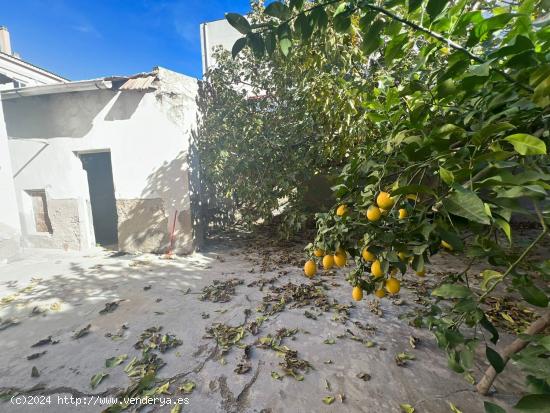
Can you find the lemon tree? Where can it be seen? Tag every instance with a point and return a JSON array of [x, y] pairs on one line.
[[268, 128], [456, 95]]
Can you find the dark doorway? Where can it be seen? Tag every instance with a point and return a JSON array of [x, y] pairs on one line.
[[102, 197]]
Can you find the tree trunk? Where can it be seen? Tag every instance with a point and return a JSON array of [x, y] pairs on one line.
[[517, 345]]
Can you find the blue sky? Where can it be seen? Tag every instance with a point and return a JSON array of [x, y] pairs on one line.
[[84, 39]]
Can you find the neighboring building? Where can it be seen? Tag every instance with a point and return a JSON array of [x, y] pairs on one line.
[[216, 33], [103, 161], [16, 73]]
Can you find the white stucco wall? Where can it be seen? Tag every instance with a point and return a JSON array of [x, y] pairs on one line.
[[216, 33], [10, 229], [148, 153]]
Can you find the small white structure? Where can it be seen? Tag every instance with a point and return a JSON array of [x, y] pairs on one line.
[[17, 73], [213, 34], [103, 161]]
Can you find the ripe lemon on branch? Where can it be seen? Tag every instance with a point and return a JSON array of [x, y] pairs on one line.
[[328, 262], [384, 200], [373, 213], [310, 268], [380, 293], [340, 258], [357, 293], [393, 285], [367, 255], [342, 210], [376, 269], [318, 252]]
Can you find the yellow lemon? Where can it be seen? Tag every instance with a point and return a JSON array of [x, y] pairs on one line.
[[393, 285], [368, 256], [446, 245], [403, 213], [373, 213], [357, 293], [380, 293], [376, 269], [328, 262], [318, 252], [342, 210], [384, 200], [310, 268], [340, 259]]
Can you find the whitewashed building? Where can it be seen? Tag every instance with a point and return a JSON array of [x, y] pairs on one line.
[[96, 162], [213, 34], [104, 161]]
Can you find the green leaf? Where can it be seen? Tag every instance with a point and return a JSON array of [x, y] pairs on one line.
[[395, 47], [493, 408], [466, 204], [505, 227], [238, 46], [406, 408], [491, 24], [452, 291], [97, 378], [534, 295], [525, 144], [187, 387], [238, 22], [413, 189], [495, 359], [115, 361], [490, 277], [328, 399], [414, 4], [446, 175], [257, 44], [278, 10], [534, 403], [453, 408], [342, 23], [487, 325], [371, 39], [270, 42], [480, 70], [489, 130], [285, 44], [435, 7]]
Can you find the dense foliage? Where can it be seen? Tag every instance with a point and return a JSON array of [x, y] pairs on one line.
[[269, 127], [456, 95]]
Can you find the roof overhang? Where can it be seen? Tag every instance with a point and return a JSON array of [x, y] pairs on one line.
[[141, 82]]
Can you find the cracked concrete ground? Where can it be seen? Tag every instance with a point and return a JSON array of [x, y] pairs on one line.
[[68, 290]]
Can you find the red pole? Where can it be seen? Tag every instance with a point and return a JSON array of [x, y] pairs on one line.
[[172, 234]]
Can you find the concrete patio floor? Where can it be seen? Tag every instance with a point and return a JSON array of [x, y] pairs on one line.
[[52, 293]]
